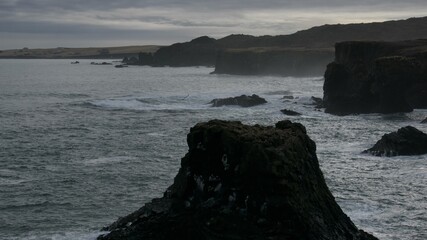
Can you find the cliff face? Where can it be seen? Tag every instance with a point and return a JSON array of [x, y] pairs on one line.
[[382, 77], [243, 182], [198, 52], [273, 61], [303, 53]]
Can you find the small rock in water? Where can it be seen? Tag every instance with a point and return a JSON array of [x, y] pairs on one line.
[[290, 112], [406, 141], [288, 97], [243, 101], [424, 121]]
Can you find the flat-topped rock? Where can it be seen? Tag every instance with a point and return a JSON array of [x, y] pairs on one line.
[[243, 101]]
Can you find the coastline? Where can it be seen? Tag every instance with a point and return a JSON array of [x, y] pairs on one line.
[[77, 53]]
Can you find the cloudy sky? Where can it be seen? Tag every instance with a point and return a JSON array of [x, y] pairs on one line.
[[86, 23]]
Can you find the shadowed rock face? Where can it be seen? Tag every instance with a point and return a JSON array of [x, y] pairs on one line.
[[273, 61], [243, 101], [376, 77], [290, 112], [406, 141], [243, 182]]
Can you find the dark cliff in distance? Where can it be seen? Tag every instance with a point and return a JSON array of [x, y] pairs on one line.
[[243, 182], [376, 77], [304, 53], [273, 61], [198, 52]]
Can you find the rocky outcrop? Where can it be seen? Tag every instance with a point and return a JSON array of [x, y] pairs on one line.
[[290, 112], [243, 182], [376, 77], [317, 102], [304, 53], [243, 101], [198, 52], [406, 141], [273, 61], [424, 121]]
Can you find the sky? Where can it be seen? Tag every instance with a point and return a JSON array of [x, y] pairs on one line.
[[103, 23]]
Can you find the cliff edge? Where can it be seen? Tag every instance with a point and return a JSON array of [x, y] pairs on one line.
[[243, 182], [376, 77]]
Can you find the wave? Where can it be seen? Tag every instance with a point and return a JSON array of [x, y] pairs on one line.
[[44, 205], [148, 104], [74, 235], [44, 95], [107, 160], [280, 92], [9, 177]]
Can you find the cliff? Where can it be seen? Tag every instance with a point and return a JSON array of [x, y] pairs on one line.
[[198, 52], [243, 182], [307, 52], [377, 77], [273, 61]]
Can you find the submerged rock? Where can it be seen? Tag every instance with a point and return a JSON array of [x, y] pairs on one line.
[[290, 112], [243, 182], [243, 101], [317, 102], [424, 121], [406, 141]]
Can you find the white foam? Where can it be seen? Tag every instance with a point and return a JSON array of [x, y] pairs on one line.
[[149, 104], [107, 160], [4, 181], [9, 177], [62, 236]]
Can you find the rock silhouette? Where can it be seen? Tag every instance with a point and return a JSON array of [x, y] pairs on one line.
[[406, 141], [243, 101], [243, 182], [376, 77]]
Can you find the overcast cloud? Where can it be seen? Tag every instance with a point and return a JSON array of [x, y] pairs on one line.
[[85, 23]]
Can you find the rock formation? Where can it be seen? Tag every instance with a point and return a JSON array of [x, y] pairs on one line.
[[290, 112], [376, 77], [406, 141], [243, 101], [198, 52], [424, 121], [273, 61], [243, 182]]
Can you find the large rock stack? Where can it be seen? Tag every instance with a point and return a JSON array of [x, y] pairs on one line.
[[243, 182]]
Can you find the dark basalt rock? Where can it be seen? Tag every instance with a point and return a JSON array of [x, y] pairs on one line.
[[406, 141], [290, 112], [317, 102], [273, 61], [376, 77], [243, 182], [243, 101], [424, 121], [198, 52]]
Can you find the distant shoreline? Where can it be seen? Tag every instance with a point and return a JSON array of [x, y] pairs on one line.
[[78, 53]]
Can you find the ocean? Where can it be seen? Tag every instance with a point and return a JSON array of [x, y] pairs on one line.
[[82, 144]]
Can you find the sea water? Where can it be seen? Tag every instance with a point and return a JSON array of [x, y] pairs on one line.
[[81, 145]]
